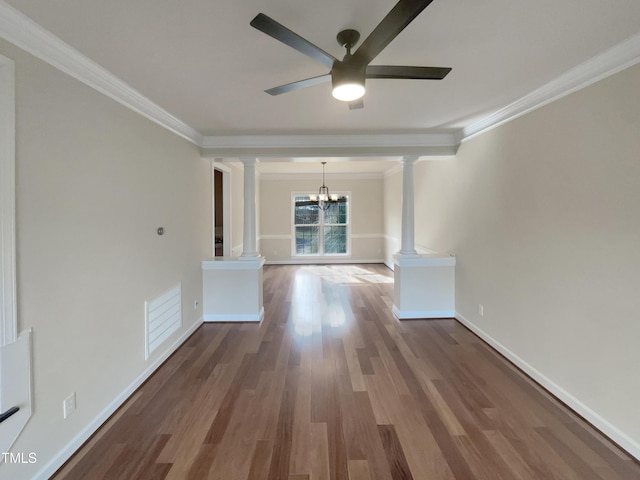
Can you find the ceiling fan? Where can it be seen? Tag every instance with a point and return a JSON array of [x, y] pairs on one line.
[[348, 75]]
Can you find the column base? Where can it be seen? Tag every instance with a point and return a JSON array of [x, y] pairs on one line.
[[232, 289], [424, 286]]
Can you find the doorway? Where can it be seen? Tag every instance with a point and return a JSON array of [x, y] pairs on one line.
[[218, 202], [221, 181]]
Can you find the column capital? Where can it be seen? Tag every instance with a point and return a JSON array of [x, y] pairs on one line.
[[409, 159], [249, 161]]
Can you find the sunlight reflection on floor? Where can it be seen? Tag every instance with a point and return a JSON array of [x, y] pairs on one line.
[[347, 274], [317, 299]]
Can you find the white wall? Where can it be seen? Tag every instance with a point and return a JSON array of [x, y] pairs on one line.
[[367, 242], [94, 181], [548, 240], [543, 216]]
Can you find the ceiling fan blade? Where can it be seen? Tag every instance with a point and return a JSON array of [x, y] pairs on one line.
[[398, 71], [278, 31], [356, 104], [308, 82], [396, 20]]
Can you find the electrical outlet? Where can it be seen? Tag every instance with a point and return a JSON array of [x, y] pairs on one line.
[[195, 305], [69, 405], [481, 310]]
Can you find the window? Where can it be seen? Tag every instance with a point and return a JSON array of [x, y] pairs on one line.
[[320, 232]]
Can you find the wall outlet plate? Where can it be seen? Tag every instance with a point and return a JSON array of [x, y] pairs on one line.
[[69, 405]]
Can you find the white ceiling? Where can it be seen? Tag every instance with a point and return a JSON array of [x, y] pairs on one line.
[[201, 60]]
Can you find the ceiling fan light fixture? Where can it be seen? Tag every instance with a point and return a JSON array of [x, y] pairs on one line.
[[348, 92], [347, 81]]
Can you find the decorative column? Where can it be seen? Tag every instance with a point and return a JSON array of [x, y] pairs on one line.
[[424, 285], [232, 287], [408, 217], [249, 251]]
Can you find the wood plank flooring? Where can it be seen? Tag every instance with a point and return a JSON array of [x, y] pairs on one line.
[[331, 386]]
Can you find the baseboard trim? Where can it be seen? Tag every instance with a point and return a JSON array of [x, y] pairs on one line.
[[614, 433], [404, 315], [324, 261], [210, 318], [65, 454]]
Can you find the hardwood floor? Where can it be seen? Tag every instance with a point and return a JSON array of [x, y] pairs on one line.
[[332, 386]]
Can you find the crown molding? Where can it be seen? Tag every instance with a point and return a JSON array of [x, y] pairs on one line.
[[314, 176], [605, 64], [330, 145], [26, 34]]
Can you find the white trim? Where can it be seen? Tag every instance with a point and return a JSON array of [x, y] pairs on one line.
[[233, 263], [302, 142], [429, 260], [23, 32], [329, 176], [324, 261], [8, 312], [212, 318], [602, 424], [609, 62], [381, 140], [68, 450], [404, 315]]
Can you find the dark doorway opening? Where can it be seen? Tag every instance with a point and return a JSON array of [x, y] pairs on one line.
[[218, 215]]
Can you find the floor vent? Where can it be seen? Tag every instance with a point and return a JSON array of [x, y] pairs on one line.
[[163, 316]]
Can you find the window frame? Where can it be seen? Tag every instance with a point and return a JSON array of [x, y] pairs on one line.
[[321, 224]]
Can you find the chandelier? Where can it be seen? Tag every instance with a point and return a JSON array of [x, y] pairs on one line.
[[324, 199]]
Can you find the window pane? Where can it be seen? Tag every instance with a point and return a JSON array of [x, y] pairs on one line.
[[337, 212], [305, 214], [307, 240], [335, 239]]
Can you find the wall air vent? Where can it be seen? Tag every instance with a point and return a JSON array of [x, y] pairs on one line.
[[163, 316]]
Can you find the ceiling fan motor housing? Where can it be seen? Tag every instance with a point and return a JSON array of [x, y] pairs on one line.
[[347, 73]]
